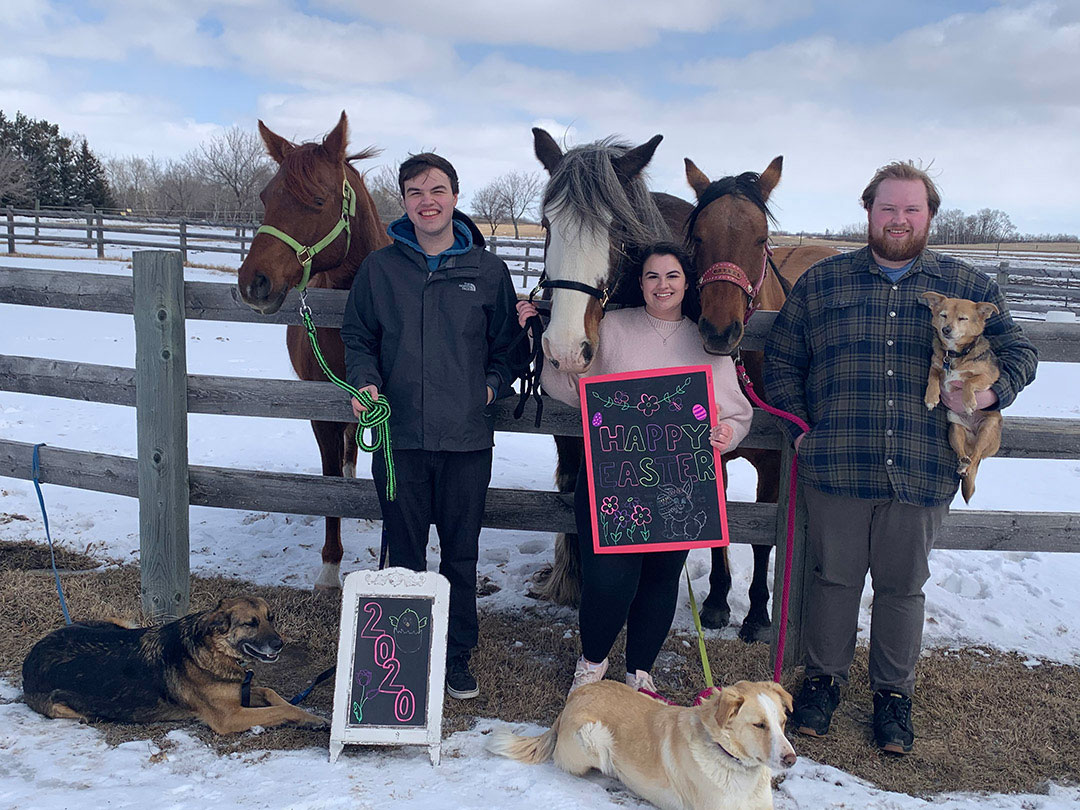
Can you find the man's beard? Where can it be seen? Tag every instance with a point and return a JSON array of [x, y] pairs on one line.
[[892, 251]]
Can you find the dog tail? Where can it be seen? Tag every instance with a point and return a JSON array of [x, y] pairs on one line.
[[530, 750]]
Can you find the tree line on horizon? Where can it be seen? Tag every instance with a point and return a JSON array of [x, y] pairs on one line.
[[222, 178]]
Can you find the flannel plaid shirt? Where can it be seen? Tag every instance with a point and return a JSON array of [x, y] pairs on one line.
[[850, 353]]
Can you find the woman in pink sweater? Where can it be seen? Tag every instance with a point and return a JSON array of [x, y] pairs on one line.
[[640, 590]]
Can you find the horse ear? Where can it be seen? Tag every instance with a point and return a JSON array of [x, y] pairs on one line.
[[629, 166], [770, 177], [696, 177], [335, 142], [276, 146], [547, 151]]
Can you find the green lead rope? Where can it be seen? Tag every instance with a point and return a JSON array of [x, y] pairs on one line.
[[700, 633], [377, 416]]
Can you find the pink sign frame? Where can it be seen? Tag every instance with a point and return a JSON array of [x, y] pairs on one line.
[[583, 385]]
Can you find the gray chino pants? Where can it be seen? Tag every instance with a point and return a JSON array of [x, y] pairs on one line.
[[849, 536]]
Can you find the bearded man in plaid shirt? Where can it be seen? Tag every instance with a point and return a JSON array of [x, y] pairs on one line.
[[850, 353]]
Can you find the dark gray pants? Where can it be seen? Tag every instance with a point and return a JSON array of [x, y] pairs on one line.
[[849, 536]]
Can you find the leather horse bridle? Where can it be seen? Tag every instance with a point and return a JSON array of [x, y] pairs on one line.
[[733, 274]]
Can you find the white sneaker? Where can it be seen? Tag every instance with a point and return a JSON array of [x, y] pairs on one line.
[[641, 680], [587, 672]]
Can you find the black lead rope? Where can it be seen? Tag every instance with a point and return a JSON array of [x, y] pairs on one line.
[[245, 689], [302, 695], [534, 366]]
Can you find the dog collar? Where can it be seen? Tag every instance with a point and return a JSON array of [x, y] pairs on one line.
[[718, 745]]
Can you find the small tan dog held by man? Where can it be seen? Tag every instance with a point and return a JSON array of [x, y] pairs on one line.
[[850, 354], [716, 755], [963, 355], [184, 669]]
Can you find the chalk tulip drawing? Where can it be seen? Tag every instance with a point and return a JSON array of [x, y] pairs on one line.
[[652, 473]]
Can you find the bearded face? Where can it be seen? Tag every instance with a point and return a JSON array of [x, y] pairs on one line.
[[899, 221]]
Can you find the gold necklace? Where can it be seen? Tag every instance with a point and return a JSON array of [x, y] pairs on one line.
[[649, 320]]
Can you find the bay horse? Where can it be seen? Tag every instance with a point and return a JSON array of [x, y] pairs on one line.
[[727, 236], [596, 211], [314, 189]]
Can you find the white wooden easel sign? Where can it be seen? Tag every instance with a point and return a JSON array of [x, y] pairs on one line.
[[391, 663]]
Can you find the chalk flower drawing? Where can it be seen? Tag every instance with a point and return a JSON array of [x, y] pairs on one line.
[[641, 515], [363, 680], [610, 505], [649, 404], [621, 400]]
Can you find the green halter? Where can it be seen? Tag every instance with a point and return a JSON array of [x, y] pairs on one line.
[[305, 254]]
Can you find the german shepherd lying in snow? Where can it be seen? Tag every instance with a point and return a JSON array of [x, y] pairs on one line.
[[713, 756], [962, 354], [191, 667]]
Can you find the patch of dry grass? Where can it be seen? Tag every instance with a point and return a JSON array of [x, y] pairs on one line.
[[984, 720]]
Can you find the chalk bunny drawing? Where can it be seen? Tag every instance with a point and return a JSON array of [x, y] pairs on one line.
[[676, 508]]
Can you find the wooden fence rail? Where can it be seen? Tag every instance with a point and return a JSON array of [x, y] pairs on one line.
[[164, 394]]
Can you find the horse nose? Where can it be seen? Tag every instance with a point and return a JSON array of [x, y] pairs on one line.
[[789, 759], [586, 352], [720, 342], [259, 289]]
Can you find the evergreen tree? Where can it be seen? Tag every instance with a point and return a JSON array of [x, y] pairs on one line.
[[58, 173]]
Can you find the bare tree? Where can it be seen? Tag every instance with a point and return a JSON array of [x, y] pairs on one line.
[[134, 181], [520, 191], [489, 205], [15, 185], [236, 161], [382, 184]]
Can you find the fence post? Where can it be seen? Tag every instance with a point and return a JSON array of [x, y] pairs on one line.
[[100, 237], [493, 245], [243, 243], [525, 267], [37, 221], [161, 420], [89, 224], [801, 567], [10, 229], [1003, 276], [183, 240]]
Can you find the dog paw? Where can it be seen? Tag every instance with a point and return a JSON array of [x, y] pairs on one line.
[[965, 463], [314, 723], [930, 405]]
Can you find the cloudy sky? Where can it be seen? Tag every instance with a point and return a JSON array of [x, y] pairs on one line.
[[988, 91]]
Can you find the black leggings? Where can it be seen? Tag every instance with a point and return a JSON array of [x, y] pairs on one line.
[[638, 590]]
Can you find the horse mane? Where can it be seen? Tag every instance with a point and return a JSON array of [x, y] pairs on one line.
[[743, 185], [299, 167], [586, 184]]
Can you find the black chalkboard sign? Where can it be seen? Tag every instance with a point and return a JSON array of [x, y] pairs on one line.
[[389, 684], [653, 483], [391, 662]]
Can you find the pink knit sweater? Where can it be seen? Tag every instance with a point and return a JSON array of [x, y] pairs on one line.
[[633, 340]]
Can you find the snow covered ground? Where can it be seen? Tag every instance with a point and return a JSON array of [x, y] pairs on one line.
[[1016, 601]]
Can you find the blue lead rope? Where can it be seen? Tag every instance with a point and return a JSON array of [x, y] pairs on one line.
[[36, 469]]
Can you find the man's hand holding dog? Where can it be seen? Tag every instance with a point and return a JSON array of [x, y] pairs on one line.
[[952, 398]]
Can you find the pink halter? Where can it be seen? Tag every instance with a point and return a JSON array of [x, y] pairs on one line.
[[730, 272]]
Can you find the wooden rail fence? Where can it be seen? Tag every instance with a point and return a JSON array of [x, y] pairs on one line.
[[164, 393]]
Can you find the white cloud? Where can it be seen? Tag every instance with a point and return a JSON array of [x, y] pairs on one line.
[[571, 25]]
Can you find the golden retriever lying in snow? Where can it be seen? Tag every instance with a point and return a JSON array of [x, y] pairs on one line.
[[714, 756]]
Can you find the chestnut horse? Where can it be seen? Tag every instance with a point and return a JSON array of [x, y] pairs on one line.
[[314, 189], [727, 235]]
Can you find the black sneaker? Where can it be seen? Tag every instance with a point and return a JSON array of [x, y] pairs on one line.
[[815, 704], [892, 722], [459, 681]]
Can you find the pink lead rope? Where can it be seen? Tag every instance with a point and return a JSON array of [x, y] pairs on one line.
[[759, 402]]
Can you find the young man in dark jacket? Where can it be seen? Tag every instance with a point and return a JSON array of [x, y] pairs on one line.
[[428, 325], [850, 353]]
